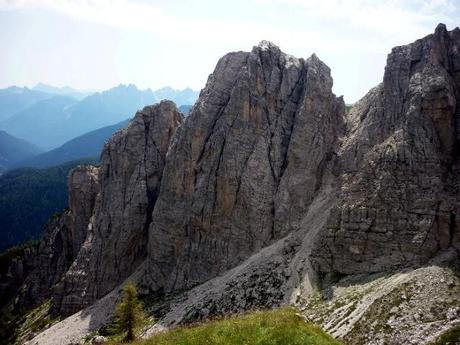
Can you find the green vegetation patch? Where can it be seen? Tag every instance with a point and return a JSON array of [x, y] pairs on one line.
[[450, 337], [270, 327], [17, 326]]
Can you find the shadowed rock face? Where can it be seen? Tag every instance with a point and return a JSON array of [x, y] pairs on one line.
[[83, 187], [399, 202], [131, 170], [245, 165]]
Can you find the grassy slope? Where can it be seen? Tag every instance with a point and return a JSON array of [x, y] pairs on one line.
[[271, 327], [16, 326]]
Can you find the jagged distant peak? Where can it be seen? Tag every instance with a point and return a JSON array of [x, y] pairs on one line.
[[440, 27], [267, 45], [123, 86], [173, 89]]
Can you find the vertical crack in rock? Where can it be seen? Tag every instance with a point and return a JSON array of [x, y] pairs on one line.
[[239, 177], [130, 174], [399, 164]]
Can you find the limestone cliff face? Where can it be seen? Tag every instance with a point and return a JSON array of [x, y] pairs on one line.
[[245, 165], [399, 202], [131, 170], [388, 199], [83, 188]]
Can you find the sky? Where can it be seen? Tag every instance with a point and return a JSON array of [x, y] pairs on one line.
[[97, 44]]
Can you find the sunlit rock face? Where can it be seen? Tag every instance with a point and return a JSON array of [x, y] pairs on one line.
[[265, 135], [245, 166]]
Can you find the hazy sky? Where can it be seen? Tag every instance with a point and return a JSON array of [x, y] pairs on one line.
[[97, 44]]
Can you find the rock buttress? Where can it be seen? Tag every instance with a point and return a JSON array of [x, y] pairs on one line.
[[130, 174], [399, 203]]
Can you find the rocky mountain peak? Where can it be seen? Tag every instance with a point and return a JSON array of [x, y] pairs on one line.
[[129, 177], [440, 29], [269, 193], [267, 45], [237, 178], [399, 201]]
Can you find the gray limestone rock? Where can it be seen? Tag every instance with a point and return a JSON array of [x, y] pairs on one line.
[[245, 165], [399, 198], [131, 170]]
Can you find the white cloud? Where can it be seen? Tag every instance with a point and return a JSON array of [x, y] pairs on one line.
[[385, 18], [118, 13], [151, 17], [352, 36]]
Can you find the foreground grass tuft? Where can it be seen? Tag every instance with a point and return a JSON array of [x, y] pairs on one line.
[[270, 327]]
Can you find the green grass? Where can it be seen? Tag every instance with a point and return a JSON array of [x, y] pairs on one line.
[[450, 337], [271, 327], [17, 325]]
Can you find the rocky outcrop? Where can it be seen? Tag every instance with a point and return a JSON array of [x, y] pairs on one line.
[[238, 176], [83, 187], [39, 269], [399, 202], [390, 180], [64, 236], [131, 170]]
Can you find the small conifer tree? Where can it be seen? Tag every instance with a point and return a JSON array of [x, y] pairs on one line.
[[129, 313]]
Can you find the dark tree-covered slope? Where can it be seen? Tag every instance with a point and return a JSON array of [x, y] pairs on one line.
[[28, 198]]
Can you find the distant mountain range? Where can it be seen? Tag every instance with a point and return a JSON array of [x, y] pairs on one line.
[[42, 123], [186, 96], [185, 109], [15, 99], [49, 120], [13, 150], [86, 145], [62, 91]]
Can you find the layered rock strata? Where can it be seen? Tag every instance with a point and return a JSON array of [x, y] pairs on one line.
[[399, 202], [245, 166]]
